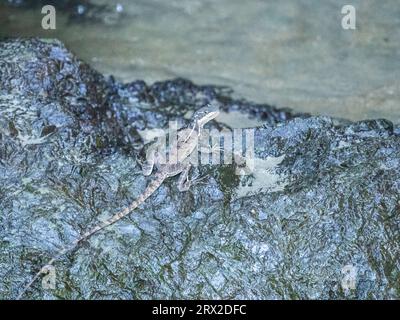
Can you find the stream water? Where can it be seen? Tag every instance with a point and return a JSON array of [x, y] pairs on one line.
[[287, 53]]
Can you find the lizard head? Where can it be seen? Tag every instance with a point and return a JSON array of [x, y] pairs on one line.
[[205, 114]]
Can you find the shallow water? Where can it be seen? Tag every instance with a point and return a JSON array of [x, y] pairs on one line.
[[288, 53]]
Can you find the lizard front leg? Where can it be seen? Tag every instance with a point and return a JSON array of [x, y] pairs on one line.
[[148, 164], [210, 150], [204, 145]]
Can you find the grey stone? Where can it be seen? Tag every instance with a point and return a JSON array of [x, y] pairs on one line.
[[323, 195]]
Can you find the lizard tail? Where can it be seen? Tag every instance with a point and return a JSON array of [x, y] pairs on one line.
[[153, 185]]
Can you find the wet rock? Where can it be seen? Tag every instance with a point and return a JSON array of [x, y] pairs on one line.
[[322, 198]]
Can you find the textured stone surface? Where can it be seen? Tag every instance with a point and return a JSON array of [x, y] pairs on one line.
[[324, 193]]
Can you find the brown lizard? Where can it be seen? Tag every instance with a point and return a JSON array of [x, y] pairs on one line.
[[186, 144]]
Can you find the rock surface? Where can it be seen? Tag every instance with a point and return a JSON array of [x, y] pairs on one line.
[[323, 198]]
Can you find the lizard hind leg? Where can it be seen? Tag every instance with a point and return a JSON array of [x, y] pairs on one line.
[[147, 168], [148, 164], [184, 183]]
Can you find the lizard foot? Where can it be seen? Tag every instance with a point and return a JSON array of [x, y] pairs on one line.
[[195, 181]]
